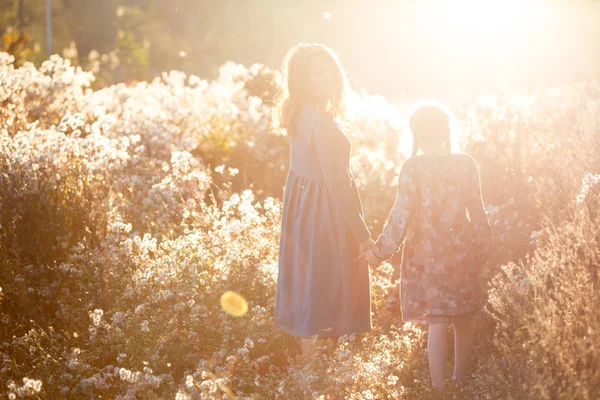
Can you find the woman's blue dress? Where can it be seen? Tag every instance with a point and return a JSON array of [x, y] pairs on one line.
[[322, 289]]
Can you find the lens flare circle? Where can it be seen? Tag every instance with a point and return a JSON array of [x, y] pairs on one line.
[[234, 304]]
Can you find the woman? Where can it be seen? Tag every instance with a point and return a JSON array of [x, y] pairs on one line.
[[440, 211], [322, 287]]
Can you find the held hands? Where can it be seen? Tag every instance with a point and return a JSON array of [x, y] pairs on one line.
[[364, 248], [365, 251], [372, 259]]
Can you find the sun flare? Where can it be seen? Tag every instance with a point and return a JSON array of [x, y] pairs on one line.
[[491, 27], [234, 304]]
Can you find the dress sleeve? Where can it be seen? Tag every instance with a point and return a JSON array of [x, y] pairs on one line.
[[400, 216], [483, 239], [330, 141]]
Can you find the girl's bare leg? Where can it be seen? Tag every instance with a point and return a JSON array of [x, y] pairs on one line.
[[437, 352], [463, 348]]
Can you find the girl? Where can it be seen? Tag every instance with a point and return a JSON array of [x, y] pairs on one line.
[[440, 211], [322, 287]]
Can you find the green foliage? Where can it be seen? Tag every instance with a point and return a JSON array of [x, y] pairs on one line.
[[16, 44]]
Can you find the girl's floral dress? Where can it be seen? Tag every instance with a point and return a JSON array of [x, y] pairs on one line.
[[440, 212]]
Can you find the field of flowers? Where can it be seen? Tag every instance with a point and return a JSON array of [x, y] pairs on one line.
[[126, 213]]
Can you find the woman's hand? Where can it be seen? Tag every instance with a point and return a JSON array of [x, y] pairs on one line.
[[365, 247]]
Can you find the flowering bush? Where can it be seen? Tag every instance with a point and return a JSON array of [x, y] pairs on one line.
[[545, 308], [127, 212]]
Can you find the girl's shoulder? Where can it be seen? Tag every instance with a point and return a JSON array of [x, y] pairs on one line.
[[425, 158], [462, 161], [464, 156], [466, 160]]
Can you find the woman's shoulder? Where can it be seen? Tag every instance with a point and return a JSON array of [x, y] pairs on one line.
[[331, 131], [319, 121], [328, 125]]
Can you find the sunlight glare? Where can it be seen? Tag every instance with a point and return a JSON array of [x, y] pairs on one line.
[[487, 27]]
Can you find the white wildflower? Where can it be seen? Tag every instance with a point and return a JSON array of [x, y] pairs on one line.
[[97, 316]]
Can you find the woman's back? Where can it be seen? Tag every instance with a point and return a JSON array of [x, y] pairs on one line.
[[304, 159], [322, 288]]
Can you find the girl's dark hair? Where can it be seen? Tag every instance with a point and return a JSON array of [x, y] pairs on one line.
[[313, 76], [430, 124]]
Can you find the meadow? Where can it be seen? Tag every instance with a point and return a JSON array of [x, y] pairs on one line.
[[126, 212]]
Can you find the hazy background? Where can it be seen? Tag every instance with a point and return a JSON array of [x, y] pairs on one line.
[[390, 47]]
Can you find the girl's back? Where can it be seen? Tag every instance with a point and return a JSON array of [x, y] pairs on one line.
[[440, 212], [447, 187]]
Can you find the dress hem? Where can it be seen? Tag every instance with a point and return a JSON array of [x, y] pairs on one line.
[[294, 333], [428, 319]]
